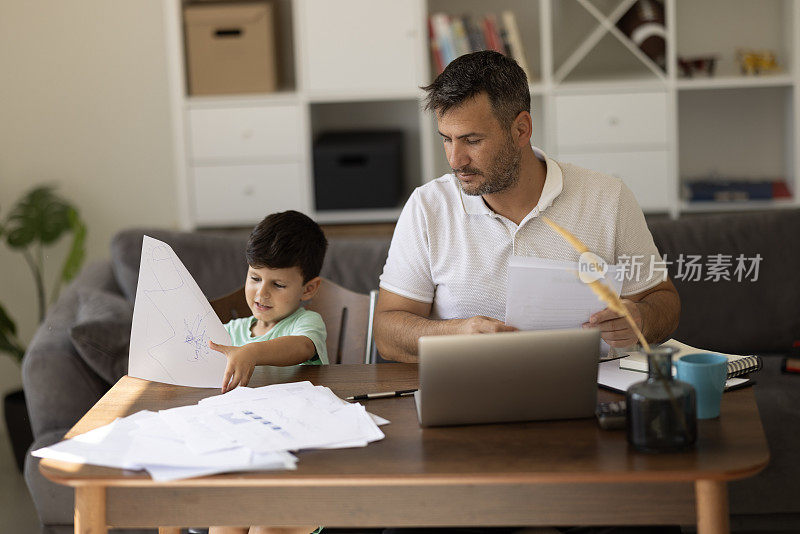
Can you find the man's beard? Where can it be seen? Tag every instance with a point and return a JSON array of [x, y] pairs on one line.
[[503, 173]]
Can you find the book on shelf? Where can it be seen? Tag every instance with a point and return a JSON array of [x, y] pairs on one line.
[[460, 38], [444, 37], [451, 37], [436, 51], [474, 33], [492, 34], [515, 42], [737, 364], [735, 190]]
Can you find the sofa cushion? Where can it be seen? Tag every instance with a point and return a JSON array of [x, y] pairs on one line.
[[215, 261], [730, 315], [356, 263], [102, 331]]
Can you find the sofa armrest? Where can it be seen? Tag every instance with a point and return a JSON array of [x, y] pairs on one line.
[[59, 386]]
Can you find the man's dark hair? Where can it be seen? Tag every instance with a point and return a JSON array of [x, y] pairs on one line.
[[287, 239], [487, 71]]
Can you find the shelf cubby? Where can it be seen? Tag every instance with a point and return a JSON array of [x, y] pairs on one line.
[[400, 115], [527, 14], [720, 27], [737, 134]]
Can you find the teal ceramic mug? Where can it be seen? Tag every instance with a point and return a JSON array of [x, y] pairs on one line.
[[707, 373]]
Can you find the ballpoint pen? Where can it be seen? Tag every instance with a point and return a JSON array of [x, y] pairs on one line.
[[383, 395]]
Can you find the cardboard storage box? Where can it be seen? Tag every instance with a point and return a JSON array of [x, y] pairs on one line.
[[230, 48]]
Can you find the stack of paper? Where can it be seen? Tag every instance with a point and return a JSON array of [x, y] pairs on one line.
[[245, 429]]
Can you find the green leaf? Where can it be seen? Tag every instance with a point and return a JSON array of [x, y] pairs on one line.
[[40, 216], [11, 347], [77, 250], [39, 219], [6, 323], [8, 331]]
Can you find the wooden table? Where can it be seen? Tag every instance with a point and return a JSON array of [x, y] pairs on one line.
[[538, 473]]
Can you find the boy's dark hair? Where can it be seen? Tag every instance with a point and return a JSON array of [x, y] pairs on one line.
[[487, 71], [287, 239]]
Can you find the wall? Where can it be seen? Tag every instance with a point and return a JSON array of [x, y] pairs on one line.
[[84, 104]]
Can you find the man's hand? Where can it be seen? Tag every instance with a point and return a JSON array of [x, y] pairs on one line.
[[484, 325], [614, 328], [241, 363]]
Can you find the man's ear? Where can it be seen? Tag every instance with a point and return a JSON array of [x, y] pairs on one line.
[[310, 288], [522, 129]]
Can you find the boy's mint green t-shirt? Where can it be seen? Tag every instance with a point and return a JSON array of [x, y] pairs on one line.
[[302, 322]]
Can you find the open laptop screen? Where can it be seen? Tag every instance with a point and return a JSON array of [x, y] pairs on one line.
[[510, 376]]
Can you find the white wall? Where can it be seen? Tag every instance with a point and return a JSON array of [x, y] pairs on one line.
[[84, 104]]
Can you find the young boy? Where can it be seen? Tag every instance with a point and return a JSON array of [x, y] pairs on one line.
[[284, 254]]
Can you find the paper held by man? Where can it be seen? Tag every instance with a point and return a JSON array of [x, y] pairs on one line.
[[546, 294]]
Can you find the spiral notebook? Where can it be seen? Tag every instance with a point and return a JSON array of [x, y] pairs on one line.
[[737, 364]]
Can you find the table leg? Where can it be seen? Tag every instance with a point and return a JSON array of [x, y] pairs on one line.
[[169, 530], [712, 507], [90, 510]]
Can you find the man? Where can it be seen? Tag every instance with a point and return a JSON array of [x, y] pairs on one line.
[[447, 267]]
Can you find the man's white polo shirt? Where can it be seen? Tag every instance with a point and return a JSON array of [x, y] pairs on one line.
[[452, 250]]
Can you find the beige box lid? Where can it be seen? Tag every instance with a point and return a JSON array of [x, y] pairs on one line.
[[216, 15]]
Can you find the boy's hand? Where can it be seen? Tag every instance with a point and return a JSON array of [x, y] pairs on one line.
[[241, 363]]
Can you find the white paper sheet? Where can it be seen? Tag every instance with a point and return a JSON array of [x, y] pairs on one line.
[[106, 445], [260, 462], [250, 430], [547, 294], [172, 323]]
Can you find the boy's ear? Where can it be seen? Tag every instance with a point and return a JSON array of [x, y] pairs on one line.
[[310, 288]]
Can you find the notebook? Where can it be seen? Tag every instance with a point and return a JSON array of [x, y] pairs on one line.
[[737, 364], [610, 376], [510, 376]]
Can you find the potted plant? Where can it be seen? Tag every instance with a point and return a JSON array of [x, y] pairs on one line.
[[37, 221]]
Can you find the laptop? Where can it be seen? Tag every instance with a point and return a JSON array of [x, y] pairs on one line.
[[509, 376]]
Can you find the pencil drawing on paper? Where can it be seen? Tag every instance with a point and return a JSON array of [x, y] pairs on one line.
[[169, 291], [196, 338], [173, 326]]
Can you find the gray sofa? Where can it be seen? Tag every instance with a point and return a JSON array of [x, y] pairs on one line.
[[81, 349]]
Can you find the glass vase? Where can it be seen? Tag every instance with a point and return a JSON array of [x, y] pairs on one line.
[[661, 410]]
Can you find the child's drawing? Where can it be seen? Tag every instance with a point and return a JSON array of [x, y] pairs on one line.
[[172, 323], [195, 336]]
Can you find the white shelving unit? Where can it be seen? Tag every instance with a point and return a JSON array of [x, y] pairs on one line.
[[597, 101]]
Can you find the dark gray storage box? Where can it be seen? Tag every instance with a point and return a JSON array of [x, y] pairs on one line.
[[358, 170]]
